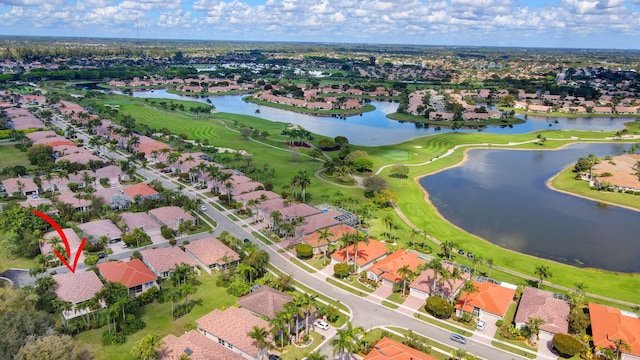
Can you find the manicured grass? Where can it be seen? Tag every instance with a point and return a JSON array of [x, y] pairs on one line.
[[12, 156], [7, 261], [157, 317], [293, 353], [440, 323], [565, 181], [396, 298], [342, 285], [514, 350], [303, 265], [435, 345], [390, 305]]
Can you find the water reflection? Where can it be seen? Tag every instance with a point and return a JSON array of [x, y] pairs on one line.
[[501, 196]]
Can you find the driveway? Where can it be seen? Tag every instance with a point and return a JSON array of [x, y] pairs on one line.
[[19, 277], [380, 294]]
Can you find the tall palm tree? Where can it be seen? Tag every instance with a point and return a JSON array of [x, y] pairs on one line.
[[324, 236], [437, 268], [316, 356], [621, 345], [489, 263], [303, 181], [543, 272], [467, 289], [259, 335], [279, 327], [346, 341], [447, 248], [405, 273], [357, 239]]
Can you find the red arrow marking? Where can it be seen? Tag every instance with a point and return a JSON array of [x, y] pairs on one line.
[[65, 241]]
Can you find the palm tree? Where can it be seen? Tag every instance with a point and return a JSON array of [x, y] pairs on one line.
[[316, 356], [279, 327], [489, 263], [246, 271], [303, 181], [468, 288], [133, 143], [405, 273], [357, 239], [259, 335], [324, 236], [437, 268], [147, 347], [543, 272], [621, 345], [458, 354], [346, 341], [447, 248]]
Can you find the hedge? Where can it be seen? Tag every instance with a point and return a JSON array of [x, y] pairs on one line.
[[566, 345], [304, 251]]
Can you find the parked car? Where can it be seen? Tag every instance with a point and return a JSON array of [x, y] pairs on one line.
[[123, 245], [461, 252], [203, 208], [321, 324], [481, 325], [274, 357], [458, 338], [102, 256]]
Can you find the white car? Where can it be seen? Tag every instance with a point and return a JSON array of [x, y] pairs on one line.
[[203, 208], [123, 245], [321, 324], [481, 325]]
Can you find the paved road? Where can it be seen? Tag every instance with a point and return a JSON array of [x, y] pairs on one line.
[[365, 313]]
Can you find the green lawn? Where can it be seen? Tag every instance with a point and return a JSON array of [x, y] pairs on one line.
[[12, 156], [157, 317], [294, 353]]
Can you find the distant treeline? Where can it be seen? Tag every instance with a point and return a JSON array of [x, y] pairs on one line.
[[118, 72]]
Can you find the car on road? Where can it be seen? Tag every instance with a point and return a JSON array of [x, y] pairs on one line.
[[321, 324], [458, 338], [102, 256], [203, 208], [481, 325], [274, 357], [123, 244]]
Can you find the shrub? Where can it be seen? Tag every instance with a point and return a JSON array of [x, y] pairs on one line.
[[148, 296], [341, 270], [439, 307], [238, 288], [499, 323], [166, 232], [566, 345], [111, 338], [91, 260], [304, 251]]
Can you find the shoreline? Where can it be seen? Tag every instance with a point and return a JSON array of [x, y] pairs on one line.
[[367, 108]]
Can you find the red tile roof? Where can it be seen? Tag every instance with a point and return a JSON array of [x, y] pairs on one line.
[[490, 297], [424, 282], [389, 266], [232, 326], [615, 324], [198, 346], [335, 233], [130, 274], [388, 349], [141, 189], [366, 252], [77, 287]]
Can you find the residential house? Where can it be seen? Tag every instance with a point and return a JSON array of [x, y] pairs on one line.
[[387, 270], [423, 286], [94, 230], [141, 192], [163, 261], [134, 274], [76, 200], [77, 288], [172, 216], [141, 220], [230, 327], [490, 302], [42, 203], [389, 349], [112, 172], [52, 238], [609, 324], [195, 346], [536, 303], [366, 255], [620, 173], [113, 197], [212, 254], [335, 233], [265, 301], [20, 186]]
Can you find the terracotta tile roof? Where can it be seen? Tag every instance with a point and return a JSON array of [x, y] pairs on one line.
[[265, 301], [111, 171], [39, 135], [211, 251], [232, 326], [366, 252], [424, 281], [254, 195], [72, 238], [536, 303], [198, 346], [130, 274], [139, 220], [11, 185], [99, 228], [69, 197], [81, 158], [141, 189], [490, 297], [77, 287], [615, 324], [389, 266], [165, 259], [388, 349], [31, 202], [335, 233], [298, 210]]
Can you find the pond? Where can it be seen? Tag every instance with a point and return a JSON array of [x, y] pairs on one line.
[[374, 128], [501, 196]]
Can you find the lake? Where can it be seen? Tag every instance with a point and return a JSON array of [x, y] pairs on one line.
[[501, 196], [374, 128]]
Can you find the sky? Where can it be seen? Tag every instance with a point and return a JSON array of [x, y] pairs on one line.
[[611, 24]]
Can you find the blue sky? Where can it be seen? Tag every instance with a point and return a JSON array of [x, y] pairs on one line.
[[523, 23]]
